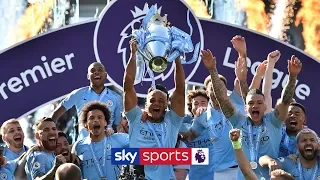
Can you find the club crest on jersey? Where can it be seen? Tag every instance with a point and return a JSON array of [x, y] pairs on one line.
[[36, 165], [281, 159], [109, 103], [3, 176], [109, 147]]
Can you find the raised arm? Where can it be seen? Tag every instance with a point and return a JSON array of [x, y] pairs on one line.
[[258, 76], [178, 95], [218, 87], [130, 97], [273, 57], [241, 73], [236, 86], [67, 103], [58, 113], [294, 68], [239, 44], [242, 160], [199, 124]]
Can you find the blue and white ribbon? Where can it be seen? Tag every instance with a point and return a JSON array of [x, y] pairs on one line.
[[179, 43]]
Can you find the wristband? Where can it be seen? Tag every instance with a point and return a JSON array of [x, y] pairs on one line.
[[236, 144]]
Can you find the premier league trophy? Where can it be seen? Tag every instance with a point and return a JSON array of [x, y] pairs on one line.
[[160, 44]]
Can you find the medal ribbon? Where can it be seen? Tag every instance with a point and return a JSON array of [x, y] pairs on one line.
[[96, 162], [315, 170], [254, 149]]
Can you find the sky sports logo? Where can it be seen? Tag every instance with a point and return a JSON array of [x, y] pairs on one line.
[[160, 156]]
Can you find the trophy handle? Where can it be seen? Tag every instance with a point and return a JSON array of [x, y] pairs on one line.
[[143, 55]]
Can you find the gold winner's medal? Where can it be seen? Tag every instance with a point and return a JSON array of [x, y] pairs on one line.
[[253, 165]]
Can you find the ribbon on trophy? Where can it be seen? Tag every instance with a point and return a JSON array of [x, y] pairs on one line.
[[160, 44]]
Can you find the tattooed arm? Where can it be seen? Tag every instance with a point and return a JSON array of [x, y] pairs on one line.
[[241, 73], [244, 89], [294, 68], [218, 86], [239, 44]]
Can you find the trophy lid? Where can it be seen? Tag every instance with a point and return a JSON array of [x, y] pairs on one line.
[[159, 19]]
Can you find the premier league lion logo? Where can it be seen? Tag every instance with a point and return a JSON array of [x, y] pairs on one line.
[[200, 156], [116, 23]]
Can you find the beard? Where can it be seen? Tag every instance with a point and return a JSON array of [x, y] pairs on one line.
[[49, 146], [292, 131], [307, 156]]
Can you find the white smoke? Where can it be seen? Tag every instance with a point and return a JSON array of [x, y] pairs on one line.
[[10, 12], [75, 9], [277, 19], [226, 11]]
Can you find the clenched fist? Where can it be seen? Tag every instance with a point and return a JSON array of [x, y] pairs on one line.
[[234, 134], [294, 66], [60, 159], [133, 45], [274, 56], [239, 44]]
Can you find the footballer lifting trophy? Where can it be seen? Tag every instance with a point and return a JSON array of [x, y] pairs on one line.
[[160, 44]]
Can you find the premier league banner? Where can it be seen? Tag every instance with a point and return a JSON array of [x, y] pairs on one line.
[[51, 65]]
